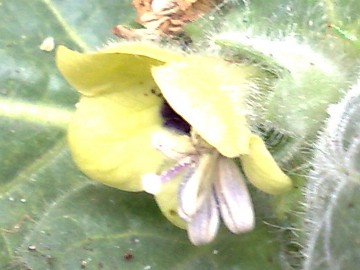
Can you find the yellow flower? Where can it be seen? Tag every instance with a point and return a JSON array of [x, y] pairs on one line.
[[171, 123]]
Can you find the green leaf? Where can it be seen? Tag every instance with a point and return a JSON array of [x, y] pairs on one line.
[[51, 215], [110, 224]]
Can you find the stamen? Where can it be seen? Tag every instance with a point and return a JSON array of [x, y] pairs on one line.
[[152, 183], [204, 224], [178, 168], [233, 197], [196, 185]]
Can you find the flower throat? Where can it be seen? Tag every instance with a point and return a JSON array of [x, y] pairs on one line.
[[172, 120]]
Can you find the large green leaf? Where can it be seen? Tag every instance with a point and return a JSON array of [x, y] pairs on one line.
[[51, 215]]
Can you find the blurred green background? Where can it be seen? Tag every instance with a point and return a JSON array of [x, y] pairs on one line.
[[54, 217]]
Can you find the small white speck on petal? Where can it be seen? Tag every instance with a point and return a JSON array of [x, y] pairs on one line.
[[151, 183], [204, 224], [233, 197], [48, 44]]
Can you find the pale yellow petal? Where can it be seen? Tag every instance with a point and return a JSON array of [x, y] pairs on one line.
[[167, 199], [110, 135], [110, 139], [115, 69], [210, 94], [262, 170]]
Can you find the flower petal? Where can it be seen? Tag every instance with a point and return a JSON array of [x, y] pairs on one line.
[[261, 169], [110, 135], [114, 69], [210, 94], [97, 73], [204, 225], [233, 197], [111, 142], [167, 200]]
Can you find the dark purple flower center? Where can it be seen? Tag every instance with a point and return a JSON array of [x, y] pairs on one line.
[[172, 120]]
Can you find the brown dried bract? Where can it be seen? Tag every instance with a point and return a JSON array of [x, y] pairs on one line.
[[169, 16]]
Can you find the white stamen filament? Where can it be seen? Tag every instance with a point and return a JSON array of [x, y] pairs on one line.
[[152, 183]]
